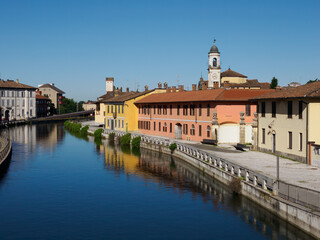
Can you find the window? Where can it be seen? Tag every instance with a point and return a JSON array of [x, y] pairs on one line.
[[263, 135], [263, 109], [300, 109], [104, 113], [122, 123], [248, 110], [185, 110], [12, 94], [159, 126], [119, 109], [300, 137], [30, 94], [108, 121], [139, 109], [22, 94], [22, 112], [192, 130], [17, 94], [8, 102], [208, 110], [23, 103], [192, 107], [170, 109], [274, 109], [200, 130], [122, 109], [164, 109], [111, 108], [290, 140], [289, 109], [154, 109], [31, 103], [2, 102], [165, 127], [200, 108], [171, 127], [13, 103], [108, 108], [178, 110], [30, 111], [208, 131], [154, 126], [159, 109], [115, 123], [2, 93], [119, 123]]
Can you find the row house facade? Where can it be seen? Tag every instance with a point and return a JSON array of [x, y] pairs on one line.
[[17, 100], [288, 123], [225, 115]]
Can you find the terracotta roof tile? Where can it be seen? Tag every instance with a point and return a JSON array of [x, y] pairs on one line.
[[42, 97], [311, 90], [47, 85], [14, 84], [205, 95], [231, 73], [125, 97]]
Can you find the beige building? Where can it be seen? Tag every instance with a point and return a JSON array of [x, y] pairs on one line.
[[288, 122], [90, 105], [51, 92]]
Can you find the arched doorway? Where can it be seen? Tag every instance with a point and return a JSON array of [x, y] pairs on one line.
[[178, 131], [6, 115]]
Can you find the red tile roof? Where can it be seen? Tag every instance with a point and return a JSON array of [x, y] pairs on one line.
[[231, 73], [221, 94], [42, 97], [125, 97], [311, 90], [14, 84]]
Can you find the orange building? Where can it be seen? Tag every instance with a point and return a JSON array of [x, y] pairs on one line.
[[196, 115]]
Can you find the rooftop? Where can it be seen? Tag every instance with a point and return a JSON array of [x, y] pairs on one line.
[[48, 85], [124, 97], [220, 94], [231, 73], [14, 85], [310, 90]]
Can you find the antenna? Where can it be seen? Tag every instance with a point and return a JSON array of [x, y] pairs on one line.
[[178, 79]]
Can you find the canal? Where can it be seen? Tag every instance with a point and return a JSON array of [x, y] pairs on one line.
[[59, 186]]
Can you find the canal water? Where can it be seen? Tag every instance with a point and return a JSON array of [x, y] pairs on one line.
[[59, 186]]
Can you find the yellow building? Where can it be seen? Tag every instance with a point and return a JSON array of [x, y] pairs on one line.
[[288, 122], [120, 112]]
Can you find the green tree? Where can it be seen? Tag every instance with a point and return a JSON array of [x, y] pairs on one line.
[[69, 105], [274, 83], [311, 81]]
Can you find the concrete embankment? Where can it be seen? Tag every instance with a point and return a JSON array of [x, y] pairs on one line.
[[5, 149], [255, 186]]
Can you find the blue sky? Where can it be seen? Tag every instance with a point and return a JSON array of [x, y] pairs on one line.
[[76, 43]]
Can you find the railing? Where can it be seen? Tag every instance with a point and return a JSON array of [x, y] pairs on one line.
[[247, 175], [300, 195], [5, 146], [303, 196]]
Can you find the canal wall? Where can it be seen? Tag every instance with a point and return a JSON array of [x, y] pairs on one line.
[[5, 148], [255, 186]]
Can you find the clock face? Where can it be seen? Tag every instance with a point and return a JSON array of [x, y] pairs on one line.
[[215, 76]]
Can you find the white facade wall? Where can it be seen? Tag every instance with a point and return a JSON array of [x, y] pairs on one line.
[[18, 103]]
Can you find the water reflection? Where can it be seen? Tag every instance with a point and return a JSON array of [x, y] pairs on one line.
[[178, 176]]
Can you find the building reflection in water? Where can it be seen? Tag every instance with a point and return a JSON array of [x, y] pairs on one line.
[[180, 177]]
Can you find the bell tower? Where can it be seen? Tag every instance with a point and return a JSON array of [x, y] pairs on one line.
[[214, 67]]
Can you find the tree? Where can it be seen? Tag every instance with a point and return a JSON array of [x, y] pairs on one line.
[[311, 81], [69, 105], [274, 83]]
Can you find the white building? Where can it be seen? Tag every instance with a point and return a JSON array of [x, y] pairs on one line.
[[17, 100]]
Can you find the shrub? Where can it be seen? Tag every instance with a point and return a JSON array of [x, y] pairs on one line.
[[136, 142], [125, 139], [172, 147], [98, 133], [111, 137], [84, 130], [235, 185]]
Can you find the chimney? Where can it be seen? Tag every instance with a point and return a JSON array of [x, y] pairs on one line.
[[181, 88], [146, 87], [159, 85], [168, 90], [226, 84], [194, 87], [17, 80], [204, 86], [127, 89], [215, 85], [174, 89], [165, 85], [109, 84], [121, 89]]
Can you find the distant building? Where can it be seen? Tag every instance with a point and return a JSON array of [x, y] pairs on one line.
[[52, 92], [17, 100], [43, 106], [90, 105], [294, 84]]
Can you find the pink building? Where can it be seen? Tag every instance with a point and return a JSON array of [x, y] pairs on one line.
[[197, 115]]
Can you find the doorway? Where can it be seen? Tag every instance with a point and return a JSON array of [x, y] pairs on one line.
[[178, 131]]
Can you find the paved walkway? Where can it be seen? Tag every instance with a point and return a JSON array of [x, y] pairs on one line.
[[290, 171]]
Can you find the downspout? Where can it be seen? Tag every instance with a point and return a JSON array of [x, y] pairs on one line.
[[307, 134]]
